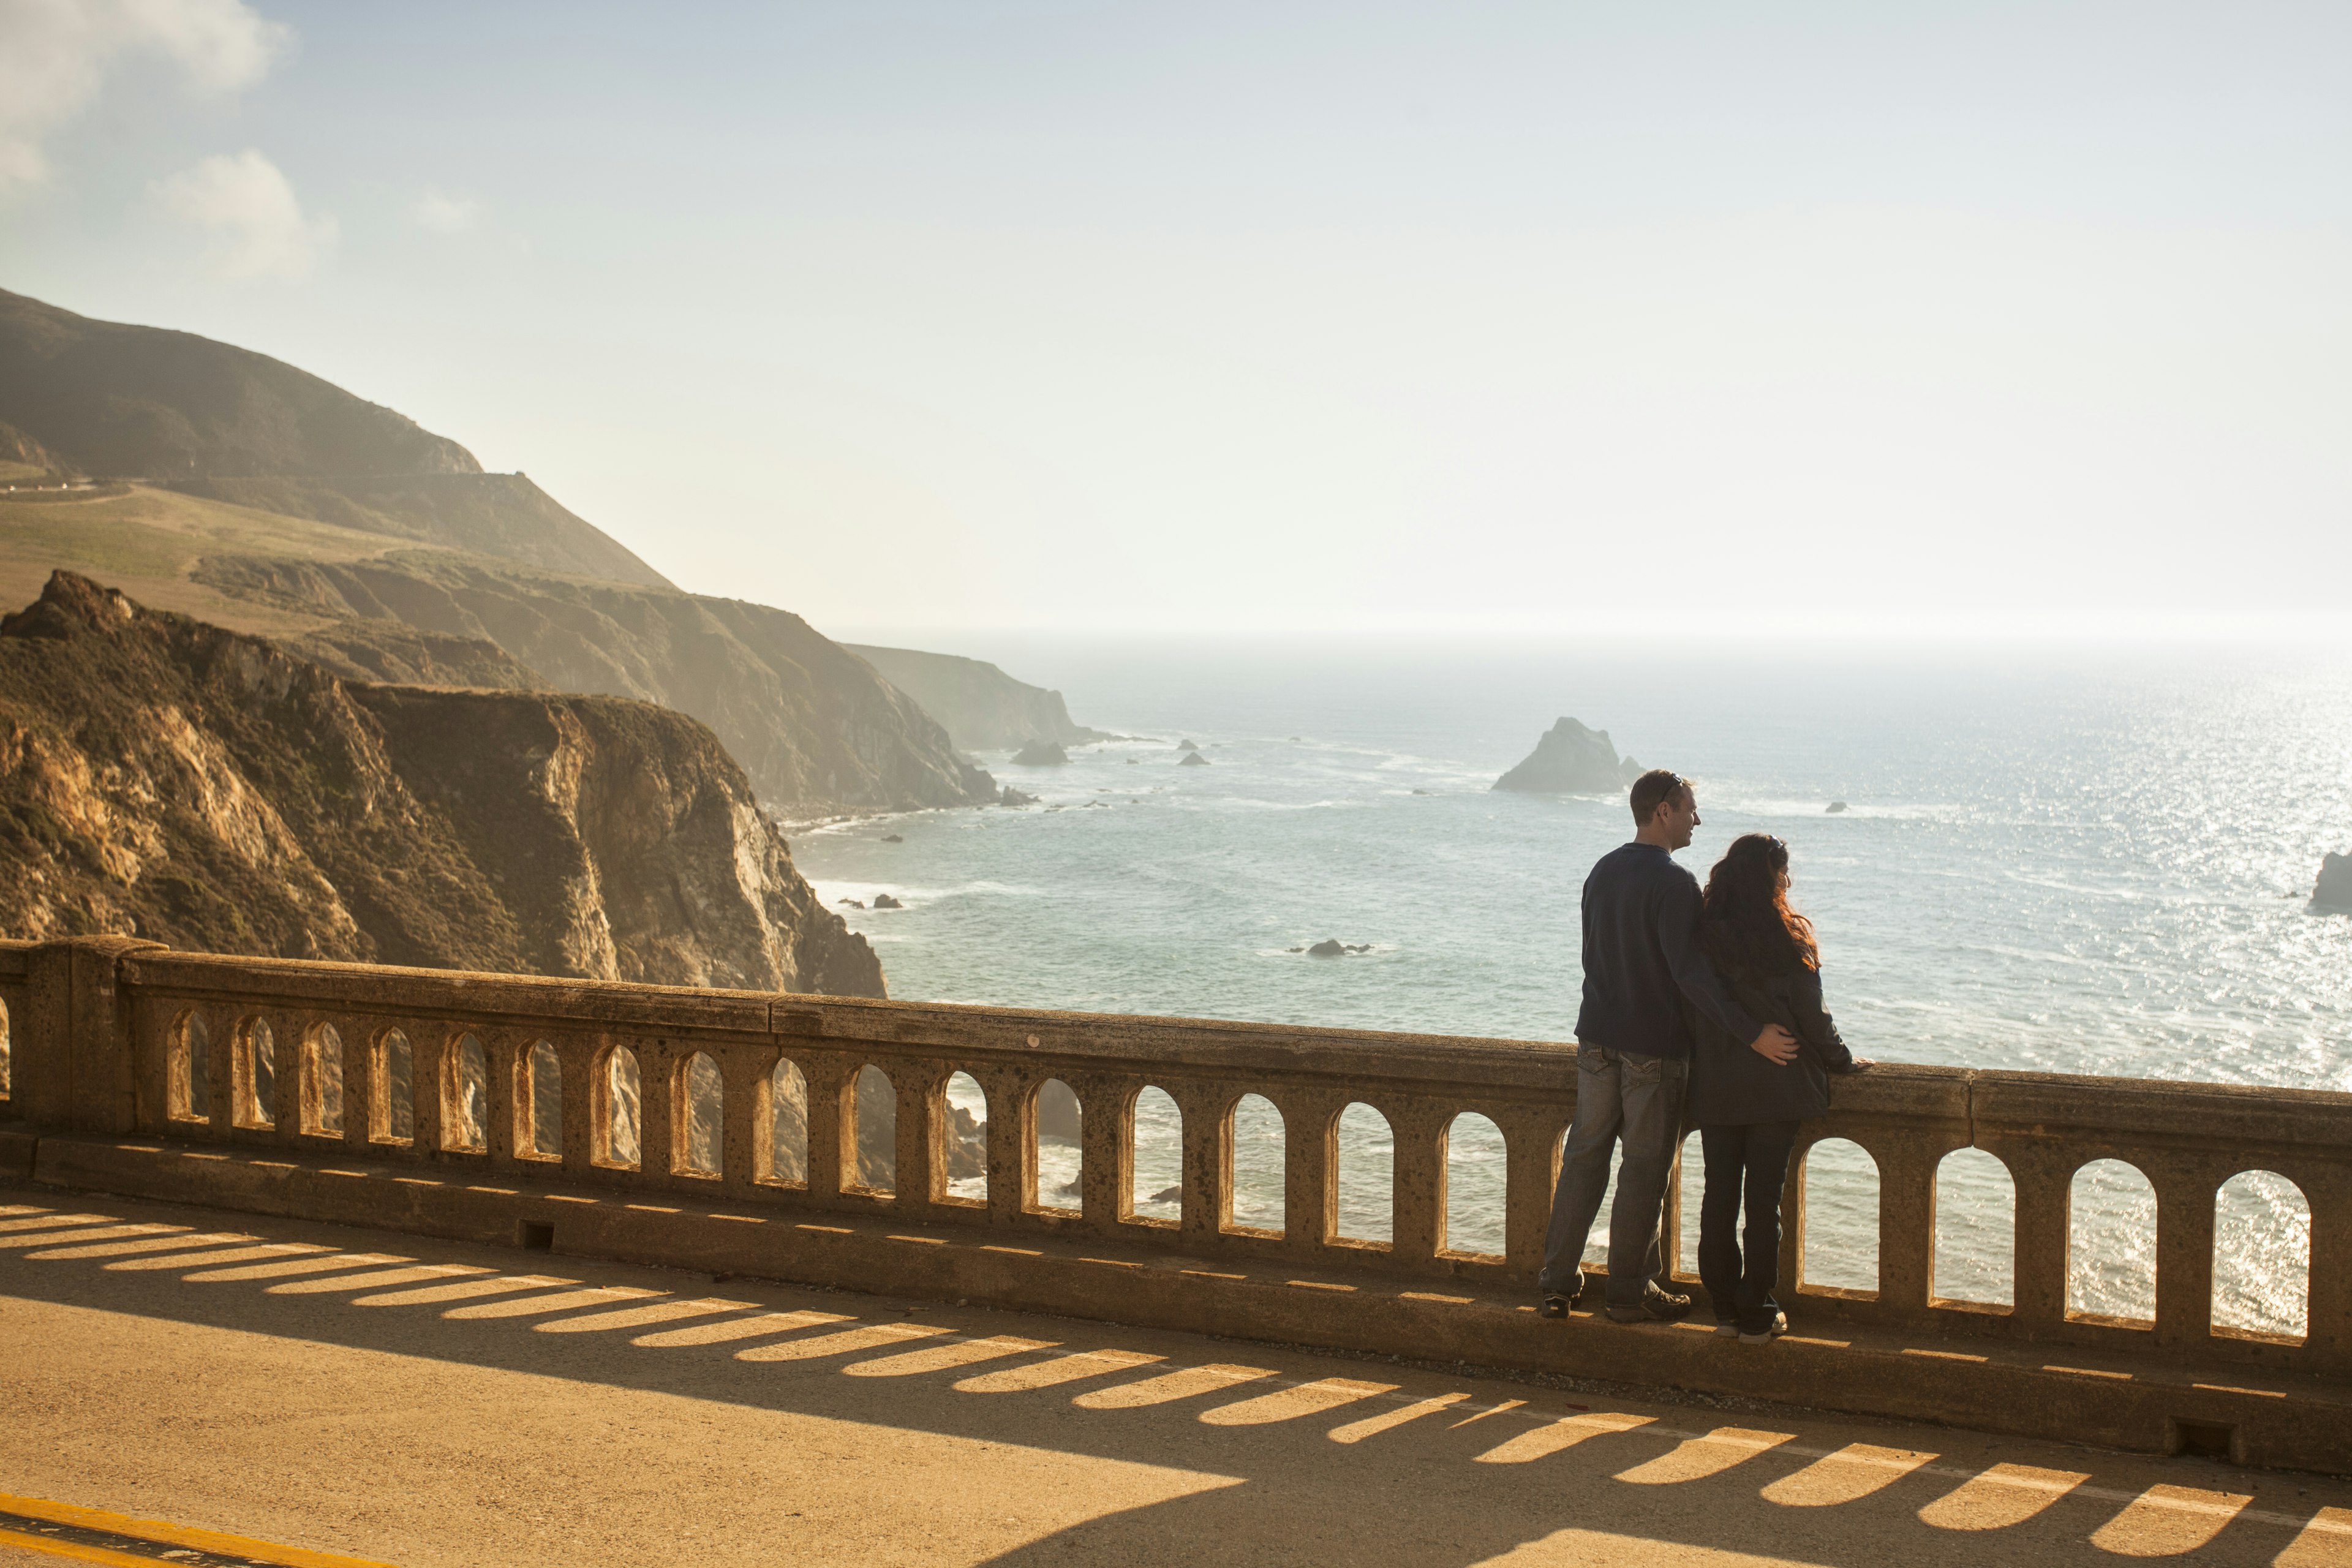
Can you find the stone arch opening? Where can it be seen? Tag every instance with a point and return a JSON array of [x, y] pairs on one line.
[[700, 1097], [391, 1118], [2261, 1257], [963, 1140], [2111, 1243], [871, 1162], [466, 1095], [1365, 1175], [188, 1078], [1477, 1178], [322, 1081], [1975, 1261], [787, 1139], [1058, 1137], [255, 1069], [1840, 1216], [539, 1095], [1256, 1166], [1155, 1142], [617, 1118]]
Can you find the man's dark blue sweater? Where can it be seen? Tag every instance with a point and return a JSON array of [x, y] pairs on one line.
[[1641, 957]]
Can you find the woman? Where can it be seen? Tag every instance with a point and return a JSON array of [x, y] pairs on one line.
[[1745, 1105]]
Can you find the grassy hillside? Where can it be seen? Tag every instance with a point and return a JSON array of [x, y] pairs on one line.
[[229, 424]]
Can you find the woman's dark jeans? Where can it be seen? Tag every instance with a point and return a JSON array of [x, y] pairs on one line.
[[1753, 1158]]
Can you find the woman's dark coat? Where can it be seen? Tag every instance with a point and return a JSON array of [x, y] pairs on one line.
[[1731, 1085]]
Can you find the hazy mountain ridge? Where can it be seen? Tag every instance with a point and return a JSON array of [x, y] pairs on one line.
[[983, 708], [813, 724], [167, 778], [171, 407]]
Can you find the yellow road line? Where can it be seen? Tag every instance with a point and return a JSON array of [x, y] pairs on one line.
[[44, 1546], [158, 1530]]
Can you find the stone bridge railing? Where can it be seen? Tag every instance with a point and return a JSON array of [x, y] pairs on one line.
[[751, 1098]]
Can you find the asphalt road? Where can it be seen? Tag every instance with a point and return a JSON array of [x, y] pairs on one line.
[[424, 1404]]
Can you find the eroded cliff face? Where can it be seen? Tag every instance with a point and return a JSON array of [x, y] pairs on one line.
[[814, 724], [165, 778]]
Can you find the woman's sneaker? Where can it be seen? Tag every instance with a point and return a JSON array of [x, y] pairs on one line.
[[1727, 1327], [1780, 1326]]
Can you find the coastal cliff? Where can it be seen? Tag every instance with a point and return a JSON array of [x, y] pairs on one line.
[[983, 709], [813, 726], [165, 778]]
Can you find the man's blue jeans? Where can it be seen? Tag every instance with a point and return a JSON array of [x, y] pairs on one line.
[[1637, 1099]]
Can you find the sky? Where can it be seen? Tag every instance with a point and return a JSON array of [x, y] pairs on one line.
[[1877, 319]]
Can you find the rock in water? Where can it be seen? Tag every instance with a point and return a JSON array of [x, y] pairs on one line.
[[1041, 755], [1836, 806], [1014, 797], [1167, 1195], [2334, 888], [894, 838], [1329, 947], [853, 903], [1186, 746], [884, 901], [1570, 760], [1193, 759]]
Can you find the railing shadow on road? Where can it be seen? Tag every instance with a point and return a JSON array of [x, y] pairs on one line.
[[1273, 1452]]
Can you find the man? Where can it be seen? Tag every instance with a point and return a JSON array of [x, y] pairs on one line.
[[1642, 962]]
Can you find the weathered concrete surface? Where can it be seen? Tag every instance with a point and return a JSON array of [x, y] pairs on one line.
[[2067, 1393], [430, 1402]]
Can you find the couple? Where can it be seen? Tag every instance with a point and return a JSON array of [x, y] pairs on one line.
[[1705, 1006]]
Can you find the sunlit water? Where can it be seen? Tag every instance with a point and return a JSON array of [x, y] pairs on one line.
[[2076, 862]]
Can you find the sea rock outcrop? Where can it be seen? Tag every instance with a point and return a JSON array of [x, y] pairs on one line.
[[2334, 888], [1041, 754], [1572, 759], [165, 778], [1193, 759]]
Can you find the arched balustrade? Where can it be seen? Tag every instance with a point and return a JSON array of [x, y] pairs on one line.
[[1423, 1157]]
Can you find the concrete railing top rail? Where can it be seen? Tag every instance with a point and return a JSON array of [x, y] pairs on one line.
[[763, 1098]]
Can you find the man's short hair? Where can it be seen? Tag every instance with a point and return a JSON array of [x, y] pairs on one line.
[[1653, 790]]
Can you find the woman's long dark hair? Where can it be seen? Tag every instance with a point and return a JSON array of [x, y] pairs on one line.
[[1747, 924]]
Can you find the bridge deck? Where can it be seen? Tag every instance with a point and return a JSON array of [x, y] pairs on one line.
[[421, 1401]]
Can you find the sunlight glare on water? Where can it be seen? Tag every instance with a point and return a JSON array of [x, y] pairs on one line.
[[2080, 861]]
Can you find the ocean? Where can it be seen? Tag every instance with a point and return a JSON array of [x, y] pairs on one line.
[[2068, 859]]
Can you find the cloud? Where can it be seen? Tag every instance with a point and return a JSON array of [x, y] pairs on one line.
[[54, 56], [249, 205], [444, 214]]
